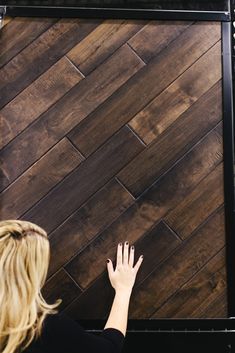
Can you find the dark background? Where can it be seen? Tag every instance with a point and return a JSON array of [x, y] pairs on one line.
[[200, 5]]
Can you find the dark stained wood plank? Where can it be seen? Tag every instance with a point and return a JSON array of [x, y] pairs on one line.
[[199, 292], [100, 294], [102, 42], [157, 116], [157, 244], [147, 210], [140, 218], [64, 115], [156, 36], [43, 52], [38, 180], [20, 32], [81, 201], [216, 309], [160, 239], [37, 97], [60, 286], [179, 268], [144, 86], [85, 180], [198, 205], [87, 222], [186, 131]]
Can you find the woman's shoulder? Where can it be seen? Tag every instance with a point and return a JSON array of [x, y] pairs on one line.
[[59, 332], [61, 321]]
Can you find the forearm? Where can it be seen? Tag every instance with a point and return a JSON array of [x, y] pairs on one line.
[[119, 311]]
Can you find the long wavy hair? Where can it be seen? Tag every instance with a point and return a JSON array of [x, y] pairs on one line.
[[24, 261]]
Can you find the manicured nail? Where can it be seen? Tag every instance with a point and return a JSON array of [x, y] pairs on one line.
[[120, 244], [132, 247], [108, 260], [127, 243], [142, 256]]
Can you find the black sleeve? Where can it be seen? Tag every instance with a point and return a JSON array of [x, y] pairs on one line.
[[62, 334]]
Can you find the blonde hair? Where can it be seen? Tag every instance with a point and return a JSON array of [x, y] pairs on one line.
[[24, 261]]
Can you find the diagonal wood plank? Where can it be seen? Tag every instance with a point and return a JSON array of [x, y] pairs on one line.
[[162, 241], [144, 86], [216, 309], [150, 122], [182, 265], [198, 205], [20, 32], [147, 210], [160, 155], [156, 36], [102, 42], [61, 286], [38, 97], [85, 102], [201, 290], [85, 180], [38, 180], [43, 52], [80, 308], [87, 222], [61, 117]]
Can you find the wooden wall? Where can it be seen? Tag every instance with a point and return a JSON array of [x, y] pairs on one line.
[[111, 130]]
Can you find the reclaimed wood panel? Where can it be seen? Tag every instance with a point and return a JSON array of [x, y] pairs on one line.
[[74, 106], [168, 106], [102, 42], [198, 292], [20, 34], [147, 84], [141, 217], [37, 57], [112, 130], [38, 97]]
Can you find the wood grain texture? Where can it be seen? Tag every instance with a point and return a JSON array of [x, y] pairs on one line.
[[156, 36], [56, 122], [38, 180], [144, 86], [168, 106], [85, 180], [37, 57], [54, 290], [87, 222], [179, 268], [20, 34], [159, 156], [102, 42], [38, 98], [189, 214], [203, 288], [112, 130]]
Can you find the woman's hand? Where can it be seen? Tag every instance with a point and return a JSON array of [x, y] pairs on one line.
[[123, 277]]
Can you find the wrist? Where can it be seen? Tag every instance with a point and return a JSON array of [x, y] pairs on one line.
[[123, 292]]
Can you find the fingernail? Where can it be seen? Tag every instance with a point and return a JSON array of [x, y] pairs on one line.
[[142, 256], [120, 244], [107, 260], [127, 243], [132, 247]]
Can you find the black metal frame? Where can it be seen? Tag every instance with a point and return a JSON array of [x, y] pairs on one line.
[[51, 11], [228, 58]]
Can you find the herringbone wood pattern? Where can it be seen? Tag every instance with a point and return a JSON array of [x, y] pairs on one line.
[[111, 130]]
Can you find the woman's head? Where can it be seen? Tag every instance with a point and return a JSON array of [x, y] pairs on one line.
[[24, 261]]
